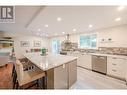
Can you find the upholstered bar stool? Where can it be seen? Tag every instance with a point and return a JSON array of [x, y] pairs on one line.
[[27, 65], [25, 77]]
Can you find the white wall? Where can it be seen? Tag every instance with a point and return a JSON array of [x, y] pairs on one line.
[[20, 50], [118, 35]]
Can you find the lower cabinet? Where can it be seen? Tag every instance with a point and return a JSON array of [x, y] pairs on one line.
[[62, 77], [116, 67], [84, 60]]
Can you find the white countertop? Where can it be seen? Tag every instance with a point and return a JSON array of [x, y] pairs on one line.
[[49, 61]]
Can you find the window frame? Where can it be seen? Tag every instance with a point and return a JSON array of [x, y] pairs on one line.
[[52, 45], [90, 42]]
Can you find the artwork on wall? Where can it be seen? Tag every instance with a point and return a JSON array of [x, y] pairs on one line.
[[25, 43], [37, 43]]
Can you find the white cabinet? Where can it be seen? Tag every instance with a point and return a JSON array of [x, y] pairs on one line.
[[116, 67], [84, 60]]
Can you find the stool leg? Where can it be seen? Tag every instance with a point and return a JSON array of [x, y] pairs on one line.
[[17, 85], [38, 85], [13, 70], [43, 82], [14, 79]]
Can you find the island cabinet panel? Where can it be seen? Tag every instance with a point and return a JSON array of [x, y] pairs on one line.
[[72, 72], [57, 78], [62, 77]]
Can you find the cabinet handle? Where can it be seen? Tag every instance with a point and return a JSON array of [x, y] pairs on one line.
[[114, 70], [102, 57], [114, 64], [114, 58], [63, 66]]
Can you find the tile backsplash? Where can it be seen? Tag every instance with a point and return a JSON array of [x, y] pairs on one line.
[[117, 50]]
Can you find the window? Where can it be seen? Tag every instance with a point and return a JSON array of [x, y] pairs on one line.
[[55, 46], [88, 41]]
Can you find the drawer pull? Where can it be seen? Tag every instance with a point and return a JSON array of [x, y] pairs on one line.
[[114, 70], [114, 64], [114, 58]]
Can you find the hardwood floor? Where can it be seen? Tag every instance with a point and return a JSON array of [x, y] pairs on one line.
[[5, 77], [86, 80]]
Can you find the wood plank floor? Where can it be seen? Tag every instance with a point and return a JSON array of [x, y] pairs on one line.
[[87, 79], [5, 77]]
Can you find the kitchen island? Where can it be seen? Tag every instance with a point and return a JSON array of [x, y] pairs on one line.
[[61, 70]]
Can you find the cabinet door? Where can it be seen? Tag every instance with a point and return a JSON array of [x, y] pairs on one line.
[[85, 61], [61, 77], [72, 72], [116, 67]]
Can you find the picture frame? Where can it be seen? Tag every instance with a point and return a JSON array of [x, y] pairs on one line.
[[37, 43], [24, 43]]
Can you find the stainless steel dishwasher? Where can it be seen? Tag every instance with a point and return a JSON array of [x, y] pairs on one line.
[[99, 64]]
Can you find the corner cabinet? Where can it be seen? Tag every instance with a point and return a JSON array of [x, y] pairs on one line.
[[116, 67]]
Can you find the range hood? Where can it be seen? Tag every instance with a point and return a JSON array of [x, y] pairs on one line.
[[67, 40], [67, 45]]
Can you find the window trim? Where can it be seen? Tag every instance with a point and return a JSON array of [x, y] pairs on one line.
[[90, 43], [52, 44]]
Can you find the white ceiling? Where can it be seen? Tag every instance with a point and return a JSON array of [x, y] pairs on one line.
[[30, 19], [23, 16]]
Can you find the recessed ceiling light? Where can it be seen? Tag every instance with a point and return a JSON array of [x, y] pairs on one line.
[[59, 19], [90, 26], [120, 8], [37, 33], [118, 19], [56, 34], [74, 29], [39, 29], [46, 25], [41, 34], [63, 32]]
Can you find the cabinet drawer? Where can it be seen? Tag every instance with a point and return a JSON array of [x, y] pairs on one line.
[[115, 66], [116, 73], [114, 60]]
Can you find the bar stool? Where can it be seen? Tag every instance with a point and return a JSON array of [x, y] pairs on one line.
[[25, 77], [27, 65]]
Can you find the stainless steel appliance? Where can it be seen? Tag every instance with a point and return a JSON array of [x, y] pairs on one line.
[[99, 64], [67, 45]]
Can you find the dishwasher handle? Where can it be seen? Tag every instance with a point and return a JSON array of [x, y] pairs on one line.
[[101, 57]]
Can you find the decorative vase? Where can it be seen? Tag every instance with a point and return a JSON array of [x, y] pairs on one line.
[[43, 51]]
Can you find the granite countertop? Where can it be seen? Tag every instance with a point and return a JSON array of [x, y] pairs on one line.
[[49, 61], [109, 55], [101, 54]]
